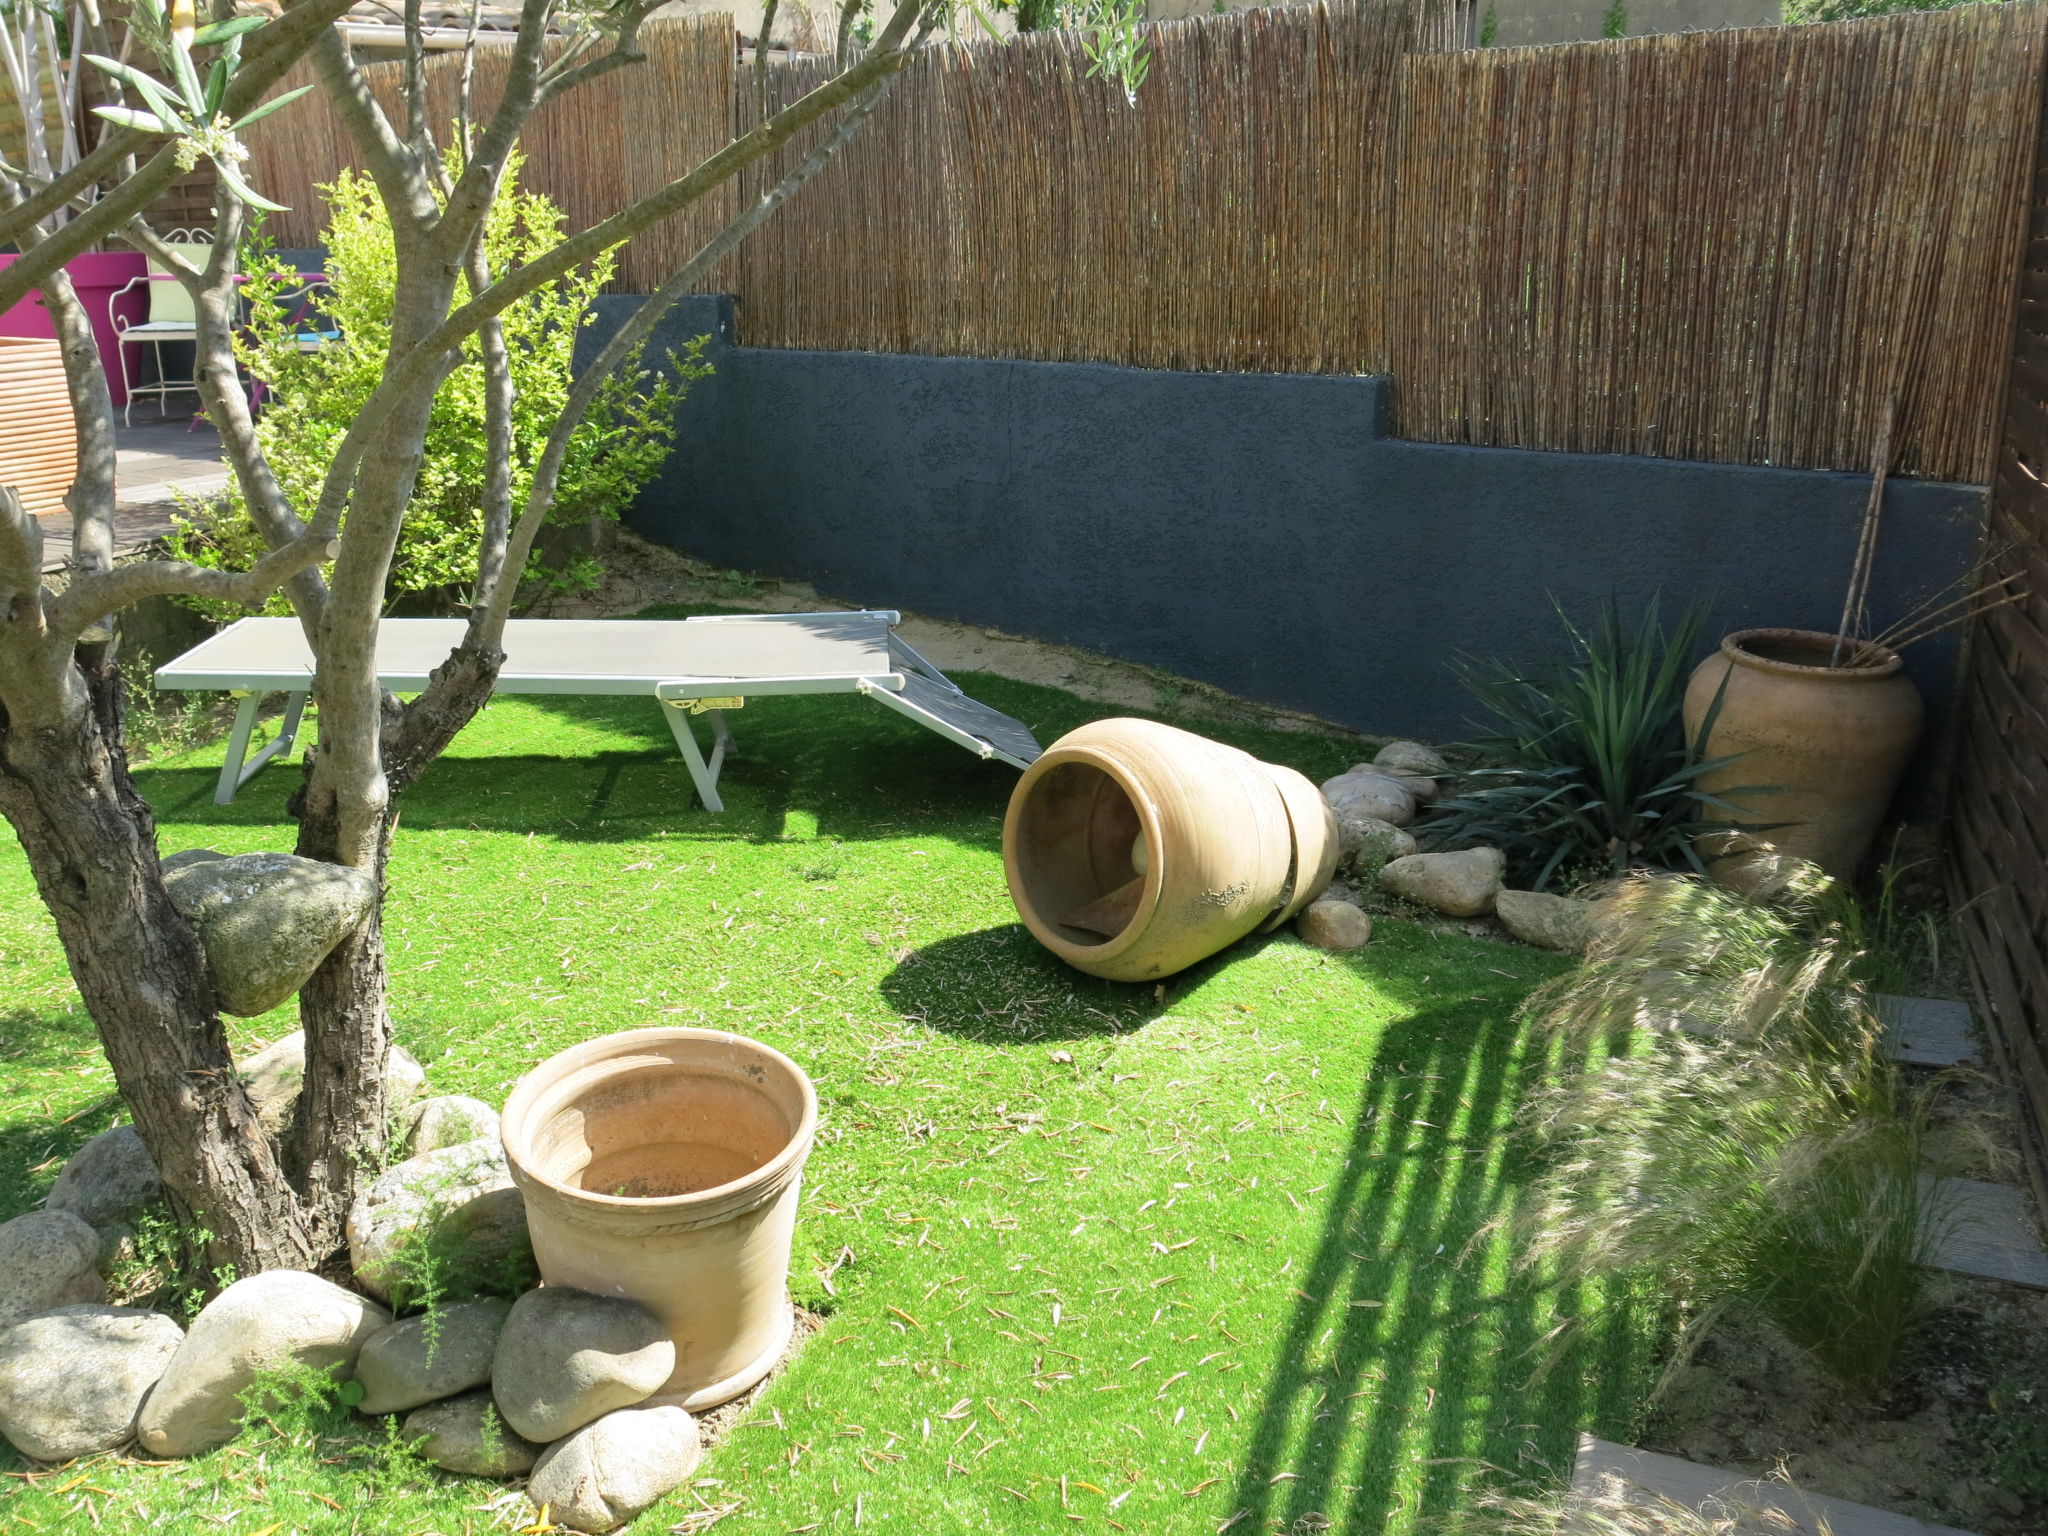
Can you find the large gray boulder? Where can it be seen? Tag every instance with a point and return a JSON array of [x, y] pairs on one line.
[[72, 1380], [567, 1357], [466, 1434], [1366, 792], [454, 1212], [266, 920], [275, 1075], [1548, 921], [267, 1320], [1461, 884], [48, 1259], [448, 1121], [434, 1355], [606, 1473], [1334, 924], [110, 1180]]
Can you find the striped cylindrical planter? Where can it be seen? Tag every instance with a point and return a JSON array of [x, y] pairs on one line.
[[38, 439]]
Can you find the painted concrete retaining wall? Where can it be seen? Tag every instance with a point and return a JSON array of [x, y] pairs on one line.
[[1260, 532]]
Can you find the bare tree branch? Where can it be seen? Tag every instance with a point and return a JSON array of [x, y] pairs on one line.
[[401, 179], [22, 596], [266, 54], [92, 597], [477, 187], [429, 356]]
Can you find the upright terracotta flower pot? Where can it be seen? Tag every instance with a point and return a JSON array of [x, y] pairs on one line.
[[1830, 742], [663, 1165], [38, 437]]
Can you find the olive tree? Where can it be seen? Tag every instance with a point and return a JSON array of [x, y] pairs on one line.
[[178, 93]]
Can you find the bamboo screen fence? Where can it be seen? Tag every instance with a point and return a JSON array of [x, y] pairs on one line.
[[1732, 246], [1998, 846]]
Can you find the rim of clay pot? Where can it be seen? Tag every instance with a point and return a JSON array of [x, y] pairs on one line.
[[549, 1089], [1104, 760], [1734, 647]]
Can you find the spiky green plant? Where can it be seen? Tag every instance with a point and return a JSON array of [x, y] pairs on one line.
[[1753, 1147], [1590, 769]]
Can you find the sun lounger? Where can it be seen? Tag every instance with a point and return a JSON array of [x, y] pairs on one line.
[[705, 665]]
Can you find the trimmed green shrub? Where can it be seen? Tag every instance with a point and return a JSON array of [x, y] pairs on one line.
[[312, 398]]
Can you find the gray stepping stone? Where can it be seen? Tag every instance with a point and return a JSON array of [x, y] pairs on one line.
[[1988, 1230], [1601, 1462], [1928, 1031]]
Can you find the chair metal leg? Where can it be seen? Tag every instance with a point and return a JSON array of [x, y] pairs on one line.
[[703, 774], [234, 773]]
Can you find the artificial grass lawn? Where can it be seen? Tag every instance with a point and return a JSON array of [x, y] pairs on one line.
[[1238, 1264]]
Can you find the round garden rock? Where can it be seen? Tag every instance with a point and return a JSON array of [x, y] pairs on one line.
[[434, 1355], [1545, 920], [48, 1259], [1366, 842], [466, 1434], [282, 1314], [111, 1179], [608, 1472], [1334, 924], [1411, 757], [567, 1357], [266, 920], [449, 1121], [453, 1211], [275, 1074], [72, 1380], [1461, 884], [1367, 792]]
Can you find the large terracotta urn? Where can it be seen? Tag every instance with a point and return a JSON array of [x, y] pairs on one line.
[[38, 438], [1819, 749], [663, 1165], [1133, 850]]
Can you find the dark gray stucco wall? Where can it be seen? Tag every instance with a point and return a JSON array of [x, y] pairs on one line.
[[1259, 532]]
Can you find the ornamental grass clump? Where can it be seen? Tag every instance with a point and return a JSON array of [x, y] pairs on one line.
[[1589, 769], [1749, 1145]]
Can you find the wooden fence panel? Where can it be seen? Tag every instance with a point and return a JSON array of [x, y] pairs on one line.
[[1998, 845]]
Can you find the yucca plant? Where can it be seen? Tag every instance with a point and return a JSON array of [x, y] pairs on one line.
[[1590, 771], [1753, 1147]]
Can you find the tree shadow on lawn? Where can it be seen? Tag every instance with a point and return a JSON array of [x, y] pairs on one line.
[[39, 1057], [1397, 1318]]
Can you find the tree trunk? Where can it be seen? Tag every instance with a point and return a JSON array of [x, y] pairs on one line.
[[91, 843]]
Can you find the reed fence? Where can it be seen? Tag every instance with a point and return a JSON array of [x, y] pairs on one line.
[[1734, 246]]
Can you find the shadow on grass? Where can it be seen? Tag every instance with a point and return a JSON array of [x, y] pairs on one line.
[[38, 1053], [1400, 1316]]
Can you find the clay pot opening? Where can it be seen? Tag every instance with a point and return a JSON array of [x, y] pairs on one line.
[[659, 1134], [1807, 653], [1082, 854]]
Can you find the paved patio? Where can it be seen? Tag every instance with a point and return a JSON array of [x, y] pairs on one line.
[[156, 459]]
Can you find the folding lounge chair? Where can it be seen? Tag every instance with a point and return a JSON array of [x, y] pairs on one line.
[[693, 666]]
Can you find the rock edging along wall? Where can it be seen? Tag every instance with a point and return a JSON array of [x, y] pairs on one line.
[[1261, 532]]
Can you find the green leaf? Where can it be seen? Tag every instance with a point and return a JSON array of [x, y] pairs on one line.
[[150, 91], [221, 31], [128, 117], [349, 1394], [216, 85], [188, 77], [232, 180], [270, 106]]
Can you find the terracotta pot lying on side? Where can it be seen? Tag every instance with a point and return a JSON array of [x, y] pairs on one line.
[[1830, 743], [1132, 849], [664, 1165]]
